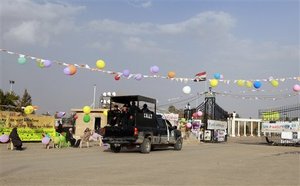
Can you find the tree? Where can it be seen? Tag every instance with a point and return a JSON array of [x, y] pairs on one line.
[[8, 100], [25, 100], [172, 109]]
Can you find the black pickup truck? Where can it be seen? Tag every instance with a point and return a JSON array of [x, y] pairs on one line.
[[139, 128]]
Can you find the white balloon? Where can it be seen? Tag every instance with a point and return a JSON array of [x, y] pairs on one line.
[[186, 89]]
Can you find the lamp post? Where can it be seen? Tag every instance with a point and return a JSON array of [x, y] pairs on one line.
[[188, 107], [105, 98], [11, 82]]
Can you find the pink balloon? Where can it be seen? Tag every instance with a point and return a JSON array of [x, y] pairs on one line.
[[45, 140], [199, 113], [138, 77], [126, 73], [195, 115], [188, 125], [4, 138], [154, 69], [296, 88], [47, 63]]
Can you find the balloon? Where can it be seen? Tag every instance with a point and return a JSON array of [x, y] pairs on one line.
[[217, 76], [186, 89], [70, 70], [86, 118], [138, 77], [126, 73], [105, 112], [296, 88], [249, 84], [117, 77], [21, 60], [171, 74], [61, 114], [73, 69], [40, 63], [28, 109], [195, 115], [62, 138], [257, 84], [86, 109], [274, 83], [45, 140], [56, 140], [241, 82], [214, 82], [199, 113], [100, 64], [154, 69], [188, 125], [4, 138], [47, 63]]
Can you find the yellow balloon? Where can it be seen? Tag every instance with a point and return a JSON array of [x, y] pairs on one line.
[[214, 82], [87, 109], [28, 109], [105, 112], [241, 83], [100, 64], [249, 84], [274, 83]]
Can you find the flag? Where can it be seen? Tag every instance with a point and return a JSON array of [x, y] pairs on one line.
[[201, 76]]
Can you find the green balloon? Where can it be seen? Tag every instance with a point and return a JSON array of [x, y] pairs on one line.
[[62, 138], [21, 60], [56, 140], [86, 118]]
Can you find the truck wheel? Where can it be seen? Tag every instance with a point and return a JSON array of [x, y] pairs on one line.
[[114, 148], [146, 146], [178, 144]]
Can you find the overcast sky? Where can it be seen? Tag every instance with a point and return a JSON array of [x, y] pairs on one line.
[[240, 39]]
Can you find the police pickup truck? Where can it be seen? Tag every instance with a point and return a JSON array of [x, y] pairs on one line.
[[135, 127]]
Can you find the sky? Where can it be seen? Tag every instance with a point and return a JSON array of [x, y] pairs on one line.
[[239, 39]]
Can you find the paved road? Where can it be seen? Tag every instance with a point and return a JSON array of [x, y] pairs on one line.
[[241, 161]]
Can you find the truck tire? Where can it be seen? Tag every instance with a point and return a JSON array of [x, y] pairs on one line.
[[146, 146], [114, 148], [178, 144]]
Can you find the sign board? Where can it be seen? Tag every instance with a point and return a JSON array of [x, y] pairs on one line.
[[207, 135], [279, 127], [216, 125], [30, 127], [221, 135], [173, 118]]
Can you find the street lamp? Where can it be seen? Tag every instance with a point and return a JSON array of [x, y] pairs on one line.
[[188, 107], [11, 82], [105, 98]]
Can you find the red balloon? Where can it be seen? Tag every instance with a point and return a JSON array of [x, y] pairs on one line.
[[117, 77]]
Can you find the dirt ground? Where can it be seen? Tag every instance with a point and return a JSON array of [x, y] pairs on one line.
[[240, 161]]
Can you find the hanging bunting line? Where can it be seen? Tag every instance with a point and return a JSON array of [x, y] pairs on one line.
[[178, 100], [139, 76]]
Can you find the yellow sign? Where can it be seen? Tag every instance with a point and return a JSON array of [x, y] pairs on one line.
[[30, 127]]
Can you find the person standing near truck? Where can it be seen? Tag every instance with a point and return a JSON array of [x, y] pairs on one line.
[[115, 115]]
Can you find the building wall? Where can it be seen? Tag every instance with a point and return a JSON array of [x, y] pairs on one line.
[[80, 125]]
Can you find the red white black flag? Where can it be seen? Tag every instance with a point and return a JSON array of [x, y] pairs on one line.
[[201, 76]]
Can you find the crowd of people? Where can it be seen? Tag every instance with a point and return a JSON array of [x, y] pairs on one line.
[[126, 115]]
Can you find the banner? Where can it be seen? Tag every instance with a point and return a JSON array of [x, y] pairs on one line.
[[279, 127], [30, 127], [216, 125]]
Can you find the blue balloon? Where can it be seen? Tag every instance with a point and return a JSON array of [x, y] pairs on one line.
[[217, 75], [257, 84]]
